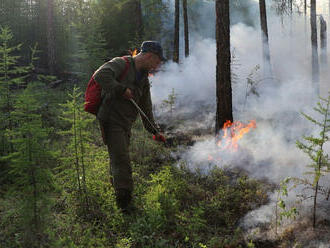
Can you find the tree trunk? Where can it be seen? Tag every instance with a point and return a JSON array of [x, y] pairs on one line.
[[265, 40], [315, 203], [323, 39], [291, 21], [290, 7], [138, 19], [186, 28], [34, 185], [75, 135], [51, 37], [315, 62], [305, 15], [176, 32], [223, 73]]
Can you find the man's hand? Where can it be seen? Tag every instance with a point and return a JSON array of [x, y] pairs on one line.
[[159, 137], [128, 94]]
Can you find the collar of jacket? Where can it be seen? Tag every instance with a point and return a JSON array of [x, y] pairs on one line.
[[139, 75]]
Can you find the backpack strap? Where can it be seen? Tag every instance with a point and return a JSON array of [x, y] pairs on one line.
[[124, 73]]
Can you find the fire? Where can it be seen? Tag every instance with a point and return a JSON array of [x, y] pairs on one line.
[[134, 53], [233, 132]]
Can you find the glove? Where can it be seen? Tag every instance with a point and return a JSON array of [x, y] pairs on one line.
[[159, 137]]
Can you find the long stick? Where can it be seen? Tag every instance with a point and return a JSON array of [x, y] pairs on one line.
[[144, 115]]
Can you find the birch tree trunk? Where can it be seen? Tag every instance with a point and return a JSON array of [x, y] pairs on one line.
[[176, 32], [223, 73], [186, 27]]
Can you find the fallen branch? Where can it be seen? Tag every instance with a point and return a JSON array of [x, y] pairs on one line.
[[56, 83]]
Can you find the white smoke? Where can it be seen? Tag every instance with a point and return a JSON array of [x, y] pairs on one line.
[[269, 151]]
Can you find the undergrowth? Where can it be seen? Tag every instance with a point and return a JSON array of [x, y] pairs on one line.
[[175, 207]]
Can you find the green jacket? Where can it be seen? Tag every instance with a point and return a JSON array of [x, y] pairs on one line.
[[115, 109]]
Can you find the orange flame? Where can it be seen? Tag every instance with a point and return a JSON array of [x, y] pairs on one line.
[[233, 132], [134, 53]]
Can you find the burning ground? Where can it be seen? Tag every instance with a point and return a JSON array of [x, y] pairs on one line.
[[272, 107]]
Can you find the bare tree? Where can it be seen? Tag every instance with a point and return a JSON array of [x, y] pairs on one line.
[[51, 37], [223, 71], [323, 39], [315, 62], [176, 32], [186, 27], [305, 15], [138, 19], [265, 40]]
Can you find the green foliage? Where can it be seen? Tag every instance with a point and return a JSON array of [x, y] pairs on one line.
[[87, 42], [29, 164], [160, 206], [251, 244], [11, 75], [170, 102], [314, 148], [73, 170], [281, 210], [154, 16]]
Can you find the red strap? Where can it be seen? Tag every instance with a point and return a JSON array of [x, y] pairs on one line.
[[124, 73]]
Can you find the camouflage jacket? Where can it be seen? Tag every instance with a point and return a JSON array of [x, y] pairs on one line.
[[115, 109]]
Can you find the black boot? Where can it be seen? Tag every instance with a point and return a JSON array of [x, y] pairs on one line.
[[123, 198]]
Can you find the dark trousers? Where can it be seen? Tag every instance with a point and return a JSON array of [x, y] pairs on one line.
[[118, 141]]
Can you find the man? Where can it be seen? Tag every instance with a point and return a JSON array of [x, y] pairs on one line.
[[123, 79]]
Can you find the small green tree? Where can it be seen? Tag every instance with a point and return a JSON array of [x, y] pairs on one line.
[[10, 76], [281, 209], [314, 148], [170, 102], [74, 153], [29, 164]]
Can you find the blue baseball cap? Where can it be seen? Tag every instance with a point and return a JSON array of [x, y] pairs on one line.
[[153, 47]]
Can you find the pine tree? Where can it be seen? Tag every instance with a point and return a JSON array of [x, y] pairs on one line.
[[186, 27], [176, 52], [223, 70], [315, 60], [29, 164], [265, 40], [314, 148], [87, 41], [75, 153], [170, 102], [11, 75], [51, 49], [323, 42]]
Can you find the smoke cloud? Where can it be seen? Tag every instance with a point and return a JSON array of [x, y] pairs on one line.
[[269, 151]]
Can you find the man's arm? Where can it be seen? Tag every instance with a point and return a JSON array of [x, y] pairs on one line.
[[107, 76]]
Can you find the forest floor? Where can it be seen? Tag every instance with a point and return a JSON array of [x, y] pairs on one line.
[[175, 205]]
